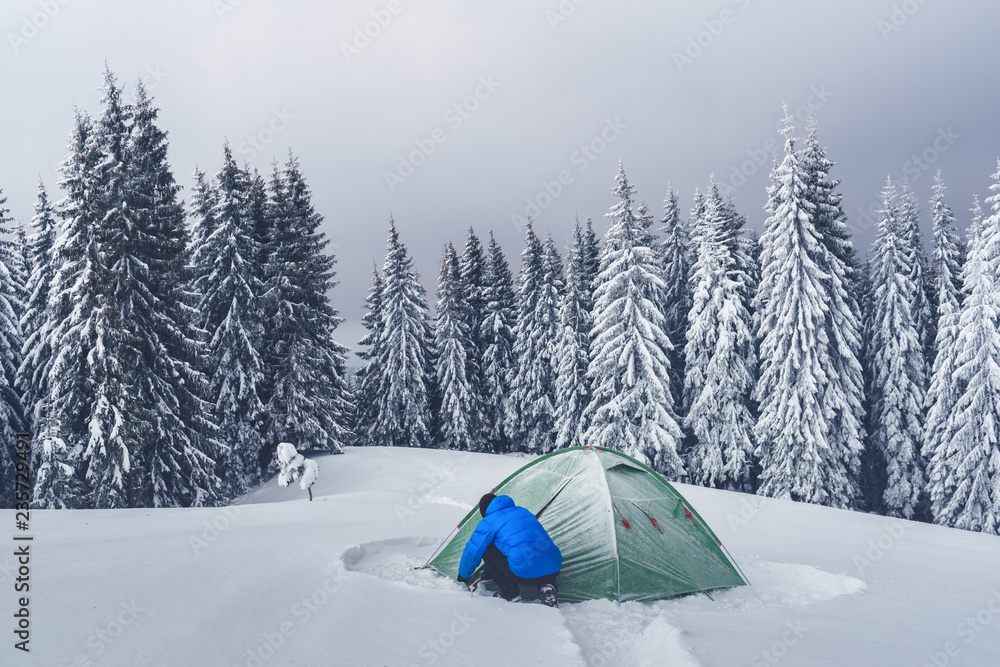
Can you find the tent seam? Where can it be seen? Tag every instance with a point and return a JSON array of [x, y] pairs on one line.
[[614, 527]]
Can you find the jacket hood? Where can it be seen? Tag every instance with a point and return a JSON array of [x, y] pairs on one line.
[[499, 503]]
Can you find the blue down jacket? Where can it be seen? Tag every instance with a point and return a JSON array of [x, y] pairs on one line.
[[518, 535]]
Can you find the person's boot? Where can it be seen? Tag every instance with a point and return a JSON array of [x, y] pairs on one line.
[[547, 594], [509, 591]]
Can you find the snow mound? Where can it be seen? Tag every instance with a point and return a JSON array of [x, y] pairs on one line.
[[397, 559], [633, 634], [778, 585]]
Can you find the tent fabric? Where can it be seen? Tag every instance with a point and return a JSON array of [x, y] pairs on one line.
[[624, 531]]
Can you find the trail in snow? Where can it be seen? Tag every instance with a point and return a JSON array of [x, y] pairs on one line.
[[634, 633]]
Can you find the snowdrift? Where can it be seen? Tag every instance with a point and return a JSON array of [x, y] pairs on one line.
[[278, 580]]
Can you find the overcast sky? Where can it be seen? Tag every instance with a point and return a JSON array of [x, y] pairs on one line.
[[544, 90]]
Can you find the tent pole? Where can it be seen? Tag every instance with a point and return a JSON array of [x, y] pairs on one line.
[[438, 550], [733, 560]]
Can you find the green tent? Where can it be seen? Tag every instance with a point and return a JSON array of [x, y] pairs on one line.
[[625, 533]]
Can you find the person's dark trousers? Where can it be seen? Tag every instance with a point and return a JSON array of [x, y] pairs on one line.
[[509, 583]]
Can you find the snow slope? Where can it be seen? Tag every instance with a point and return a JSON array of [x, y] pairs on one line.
[[282, 581]]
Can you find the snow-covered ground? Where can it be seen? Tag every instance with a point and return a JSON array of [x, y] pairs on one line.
[[282, 581]]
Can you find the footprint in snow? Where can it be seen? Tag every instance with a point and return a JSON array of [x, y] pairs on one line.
[[397, 559]]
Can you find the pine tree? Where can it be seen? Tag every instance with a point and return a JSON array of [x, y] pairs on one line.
[[531, 406], [12, 419], [308, 398], [920, 274], [591, 255], [720, 357], [179, 451], [948, 258], [675, 248], [473, 274], [203, 203], [943, 393], [229, 287], [404, 418], [800, 457], [61, 480], [111, 324], [573, 352], [34, 322], [631, 408], [844, 393], [831, 222], [454, 343], [972, 464], [744, 252], [368, 395], [899, 369], [697, 211], [20, 268], [144, 434], [871, 476], [498, 355]]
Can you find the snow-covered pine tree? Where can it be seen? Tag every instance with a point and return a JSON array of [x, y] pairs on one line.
[[228, 284], [750, 243], [675, 249], [179, 452], [473, 269], [972, 463], [573, 352], [799, 457], [948, 257], [742, 249], [61, 478], [697, 211], [369, 377], [106, 322], [498, 354], [942, 395], [531, 410], [453, 342], [34, 322], [923, 307], [646, 219], [898, 390], [592, 255], [720, 357], [20, 268], [632, 407], [52, 475], [871, 475], [11, 412], [525, 360], [844, 392], [308, 398], [831, 221], [203, 202], [404, 418]]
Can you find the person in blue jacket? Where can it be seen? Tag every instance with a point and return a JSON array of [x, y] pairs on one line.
[[515, 548]]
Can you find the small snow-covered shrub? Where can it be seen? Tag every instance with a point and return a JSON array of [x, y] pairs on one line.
[[293, 467]]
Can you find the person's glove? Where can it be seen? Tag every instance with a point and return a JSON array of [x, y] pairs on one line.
[[465, 580]]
